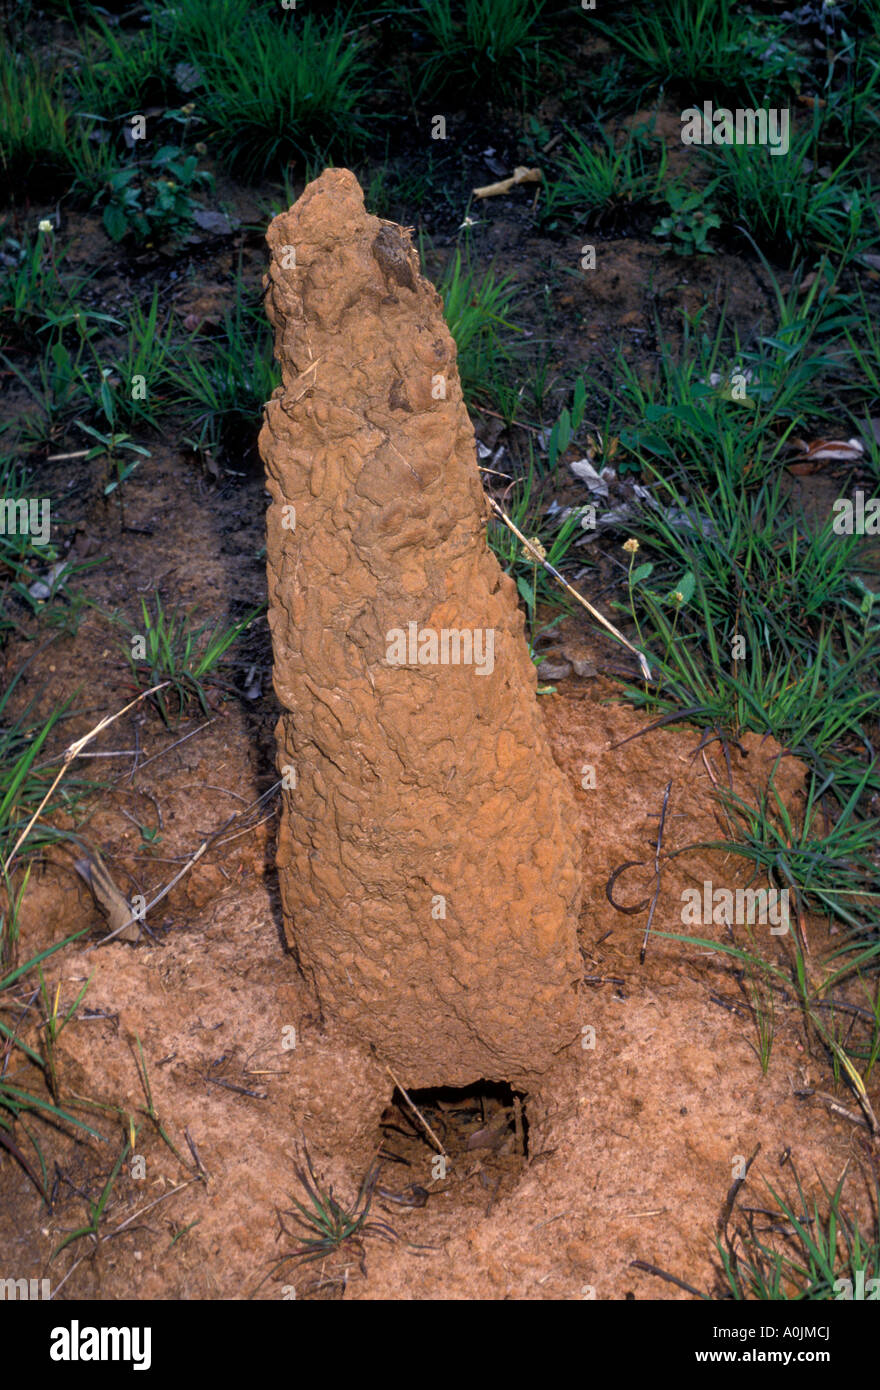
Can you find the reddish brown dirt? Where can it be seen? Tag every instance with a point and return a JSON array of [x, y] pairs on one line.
[[631, 1143]]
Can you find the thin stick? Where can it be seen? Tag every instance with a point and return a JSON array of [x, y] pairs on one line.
[[176, 744], [644, 949], [730, 1200], [69, 755], [661, 1274], [119, 753], [417, 1112], [646, 670], [512, 424], [158, 898], [76, 1264], [193, 859]]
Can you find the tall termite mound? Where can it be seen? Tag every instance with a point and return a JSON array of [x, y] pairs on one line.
[[429, 870]]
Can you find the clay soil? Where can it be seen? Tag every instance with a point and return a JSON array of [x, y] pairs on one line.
[[628, 1151], [631, 1145]]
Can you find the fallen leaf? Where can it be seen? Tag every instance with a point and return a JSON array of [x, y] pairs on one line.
[[820, 451], [217, 223], [112, 902]]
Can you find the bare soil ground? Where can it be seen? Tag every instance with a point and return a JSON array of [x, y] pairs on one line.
[[631, 1145]]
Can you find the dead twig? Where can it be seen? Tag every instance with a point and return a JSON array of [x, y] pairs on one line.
[[70, 754], [730, 1200], [657, 850], [670, 1278], [551, 570], [417, 1112], [193, 859]]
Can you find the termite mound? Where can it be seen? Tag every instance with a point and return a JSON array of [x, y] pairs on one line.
[[427, 854]]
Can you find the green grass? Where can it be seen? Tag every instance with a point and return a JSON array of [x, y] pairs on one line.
[[169, 647], [476, 306], [283, 93], [324, 1227], [703, 46], [68, 376], [809, 1251], [24, 782], [494, 45], [862, 389], [139, 373], [787, 205], [200, 28], [601, 178], [795, 1250], [222, 395], [754, 617], [827, 864], [20, 1104], [25, 555], [555, 534], [718, 394], [32, 291], [763, 638], [35, 126], [122, 74]]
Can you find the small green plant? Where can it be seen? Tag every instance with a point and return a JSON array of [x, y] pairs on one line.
[[34, 125], [491, 43], [285, 92], [96, 1208], [32, 292], [567, 425], [475, 307], [600, 180], [156, 203], [168, 647], [55, 1024], [759, 987], [144, 368], [69, 368], [223, 397], [113, 445], [810, 1252], [689, 222], [331, 1228]]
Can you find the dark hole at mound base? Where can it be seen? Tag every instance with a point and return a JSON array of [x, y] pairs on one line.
[[463, 1147]]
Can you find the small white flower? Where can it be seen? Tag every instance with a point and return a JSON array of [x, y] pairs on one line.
[[46, 225]]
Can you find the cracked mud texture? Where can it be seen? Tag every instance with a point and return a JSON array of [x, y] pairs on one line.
[[428, 861]]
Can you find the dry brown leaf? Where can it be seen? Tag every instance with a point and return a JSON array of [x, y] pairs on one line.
[[110, 899], [819, 451]]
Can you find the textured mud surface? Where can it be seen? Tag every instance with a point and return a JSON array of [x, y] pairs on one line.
[[631, 1144], [428, 866]]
